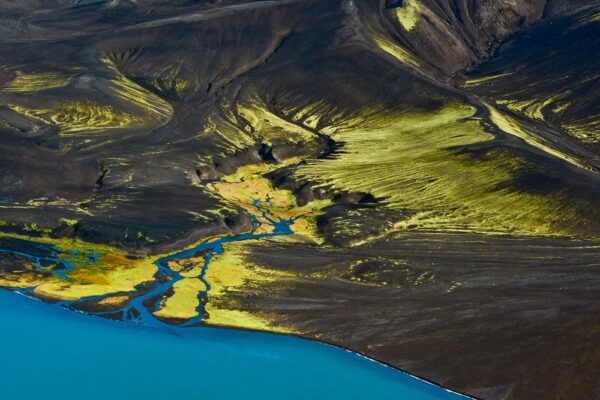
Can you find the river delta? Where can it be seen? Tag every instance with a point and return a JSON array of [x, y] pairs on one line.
[[415, 181]]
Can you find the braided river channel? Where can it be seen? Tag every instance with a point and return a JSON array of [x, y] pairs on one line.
[[51, 352]]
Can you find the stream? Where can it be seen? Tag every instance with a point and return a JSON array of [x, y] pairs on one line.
[[52, 353]]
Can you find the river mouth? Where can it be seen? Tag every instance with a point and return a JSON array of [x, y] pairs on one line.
[[149, 354], [145, 357], [145, 303], [51, 353], [74, 354]]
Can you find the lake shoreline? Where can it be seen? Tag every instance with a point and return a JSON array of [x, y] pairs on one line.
[[169, 329]]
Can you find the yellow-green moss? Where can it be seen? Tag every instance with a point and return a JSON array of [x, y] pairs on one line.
[[509, 125], [533, 108], [132, 93], [587, 130], [36, 82], [230, 273], [82, 117], [184, 302], [87, 116], [394, 49], [34, 228], [247, 184], [268, 127], [484, 79], [409, 14], [112, 272], [409, 160]]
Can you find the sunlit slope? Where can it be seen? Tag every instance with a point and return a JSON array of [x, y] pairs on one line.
[[145, 109], [445, 172], [74, 102], [37, 81]]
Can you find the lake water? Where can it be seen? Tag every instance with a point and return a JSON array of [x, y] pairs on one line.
[[52, 353]]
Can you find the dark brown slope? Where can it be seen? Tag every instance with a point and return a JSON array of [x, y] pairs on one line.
[[224, 52], [549, 74], [118, 181], [454, 34], [498, 317]]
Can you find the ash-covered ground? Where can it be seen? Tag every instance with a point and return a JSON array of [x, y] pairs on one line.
[[440, 160]]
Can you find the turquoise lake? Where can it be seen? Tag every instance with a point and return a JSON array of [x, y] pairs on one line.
[[52, 353]]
